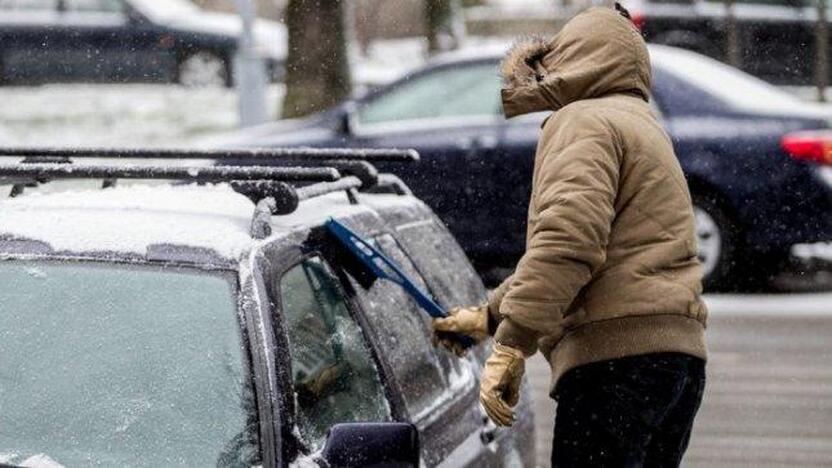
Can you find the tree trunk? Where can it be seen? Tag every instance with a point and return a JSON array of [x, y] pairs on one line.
[[317, 66], [443, 30], [732, 38], [821, 51]]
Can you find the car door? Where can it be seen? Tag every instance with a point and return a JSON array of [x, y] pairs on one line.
[[331, 370], [95, 40], [439, 390], [516, 150], [450, 114], [453, 282], [26, 39]]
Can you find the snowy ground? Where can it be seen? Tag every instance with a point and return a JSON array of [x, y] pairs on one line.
[[769, 397], [117, 115]]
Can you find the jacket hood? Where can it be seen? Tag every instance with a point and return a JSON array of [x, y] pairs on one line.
[[598, 52]]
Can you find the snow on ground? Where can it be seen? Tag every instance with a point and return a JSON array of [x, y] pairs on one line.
[[166, 115], [117, 115]]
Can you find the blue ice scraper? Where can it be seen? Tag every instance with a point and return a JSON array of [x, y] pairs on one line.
[[378, 265]]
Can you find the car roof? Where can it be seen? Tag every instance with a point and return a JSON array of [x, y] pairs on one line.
[[496, 49], [133, 220], [488, 50]]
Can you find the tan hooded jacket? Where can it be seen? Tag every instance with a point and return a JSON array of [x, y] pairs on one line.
[[610, 268]]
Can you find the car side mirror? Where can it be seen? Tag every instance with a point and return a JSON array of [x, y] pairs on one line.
[[389, 445]]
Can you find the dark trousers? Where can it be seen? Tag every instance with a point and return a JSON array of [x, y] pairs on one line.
[[631, 412]]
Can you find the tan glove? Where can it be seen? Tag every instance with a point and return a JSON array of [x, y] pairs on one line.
[[469, 321], [500, 383], [318, 385]]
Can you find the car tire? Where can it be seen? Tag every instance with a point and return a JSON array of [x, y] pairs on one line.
[[717, 243], [203, 69]]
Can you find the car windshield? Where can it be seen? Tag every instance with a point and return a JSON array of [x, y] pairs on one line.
[[111, 365], [164, 9], [740, 91]]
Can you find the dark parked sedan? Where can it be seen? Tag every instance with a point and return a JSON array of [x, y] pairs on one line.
[[775, 38], [759, 180], [125, 40]]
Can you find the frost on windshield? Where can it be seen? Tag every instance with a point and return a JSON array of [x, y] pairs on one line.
[[335, 378], [118, 366]]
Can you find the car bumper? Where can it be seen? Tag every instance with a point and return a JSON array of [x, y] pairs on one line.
[[804, 216]]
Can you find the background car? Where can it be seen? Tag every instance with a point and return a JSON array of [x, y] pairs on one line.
[[125, 40], [776, 38], [759, 185], [181, 324]]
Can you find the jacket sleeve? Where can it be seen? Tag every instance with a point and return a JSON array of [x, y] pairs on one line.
[[494, 301], [574, 197]]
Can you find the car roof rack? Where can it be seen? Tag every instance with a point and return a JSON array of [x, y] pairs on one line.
[[354, 162], [305, 154], [291, 176]]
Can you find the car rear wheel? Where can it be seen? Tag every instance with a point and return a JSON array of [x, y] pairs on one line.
[[716, 243], [202, 70], [728, 262]]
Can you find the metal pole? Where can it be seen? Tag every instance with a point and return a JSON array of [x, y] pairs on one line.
[[821, 51], [250, 68]]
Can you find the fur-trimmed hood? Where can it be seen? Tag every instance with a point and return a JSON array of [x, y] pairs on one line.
[[598, 52]]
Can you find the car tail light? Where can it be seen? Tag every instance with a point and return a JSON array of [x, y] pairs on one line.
[[638, 18], [814, 146]]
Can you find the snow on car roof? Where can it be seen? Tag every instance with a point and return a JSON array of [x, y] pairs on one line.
[[129, 219], [479, 50], [734, 87]]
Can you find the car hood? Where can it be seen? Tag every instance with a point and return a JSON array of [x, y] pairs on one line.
[[269, 36], [283, 133]]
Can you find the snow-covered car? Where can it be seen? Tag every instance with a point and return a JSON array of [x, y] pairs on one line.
[[126, 41], [218, 324]]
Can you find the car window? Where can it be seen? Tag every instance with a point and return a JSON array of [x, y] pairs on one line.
[[24, 5], [335, 377], [465, 91], [428, 376], [106, 365], [442, 263], [105, 6]]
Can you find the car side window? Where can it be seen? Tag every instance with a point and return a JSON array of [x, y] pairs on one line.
[[28, 5], [335, 377], [427, 375], [442, 263], [465, 91]]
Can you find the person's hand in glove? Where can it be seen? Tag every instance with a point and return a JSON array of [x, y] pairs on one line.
[[500, 383], [468, 321], [318, 385]]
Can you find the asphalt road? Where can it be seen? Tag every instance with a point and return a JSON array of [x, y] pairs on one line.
[[769, 397]]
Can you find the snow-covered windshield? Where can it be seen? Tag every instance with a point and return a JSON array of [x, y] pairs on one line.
[[739, 90], [161, 10], [106, 365]]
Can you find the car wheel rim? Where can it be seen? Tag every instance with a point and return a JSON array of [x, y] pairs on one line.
[[709, 240], [202, 70]]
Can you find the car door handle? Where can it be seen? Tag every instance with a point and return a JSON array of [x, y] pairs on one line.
[[483, 142]]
